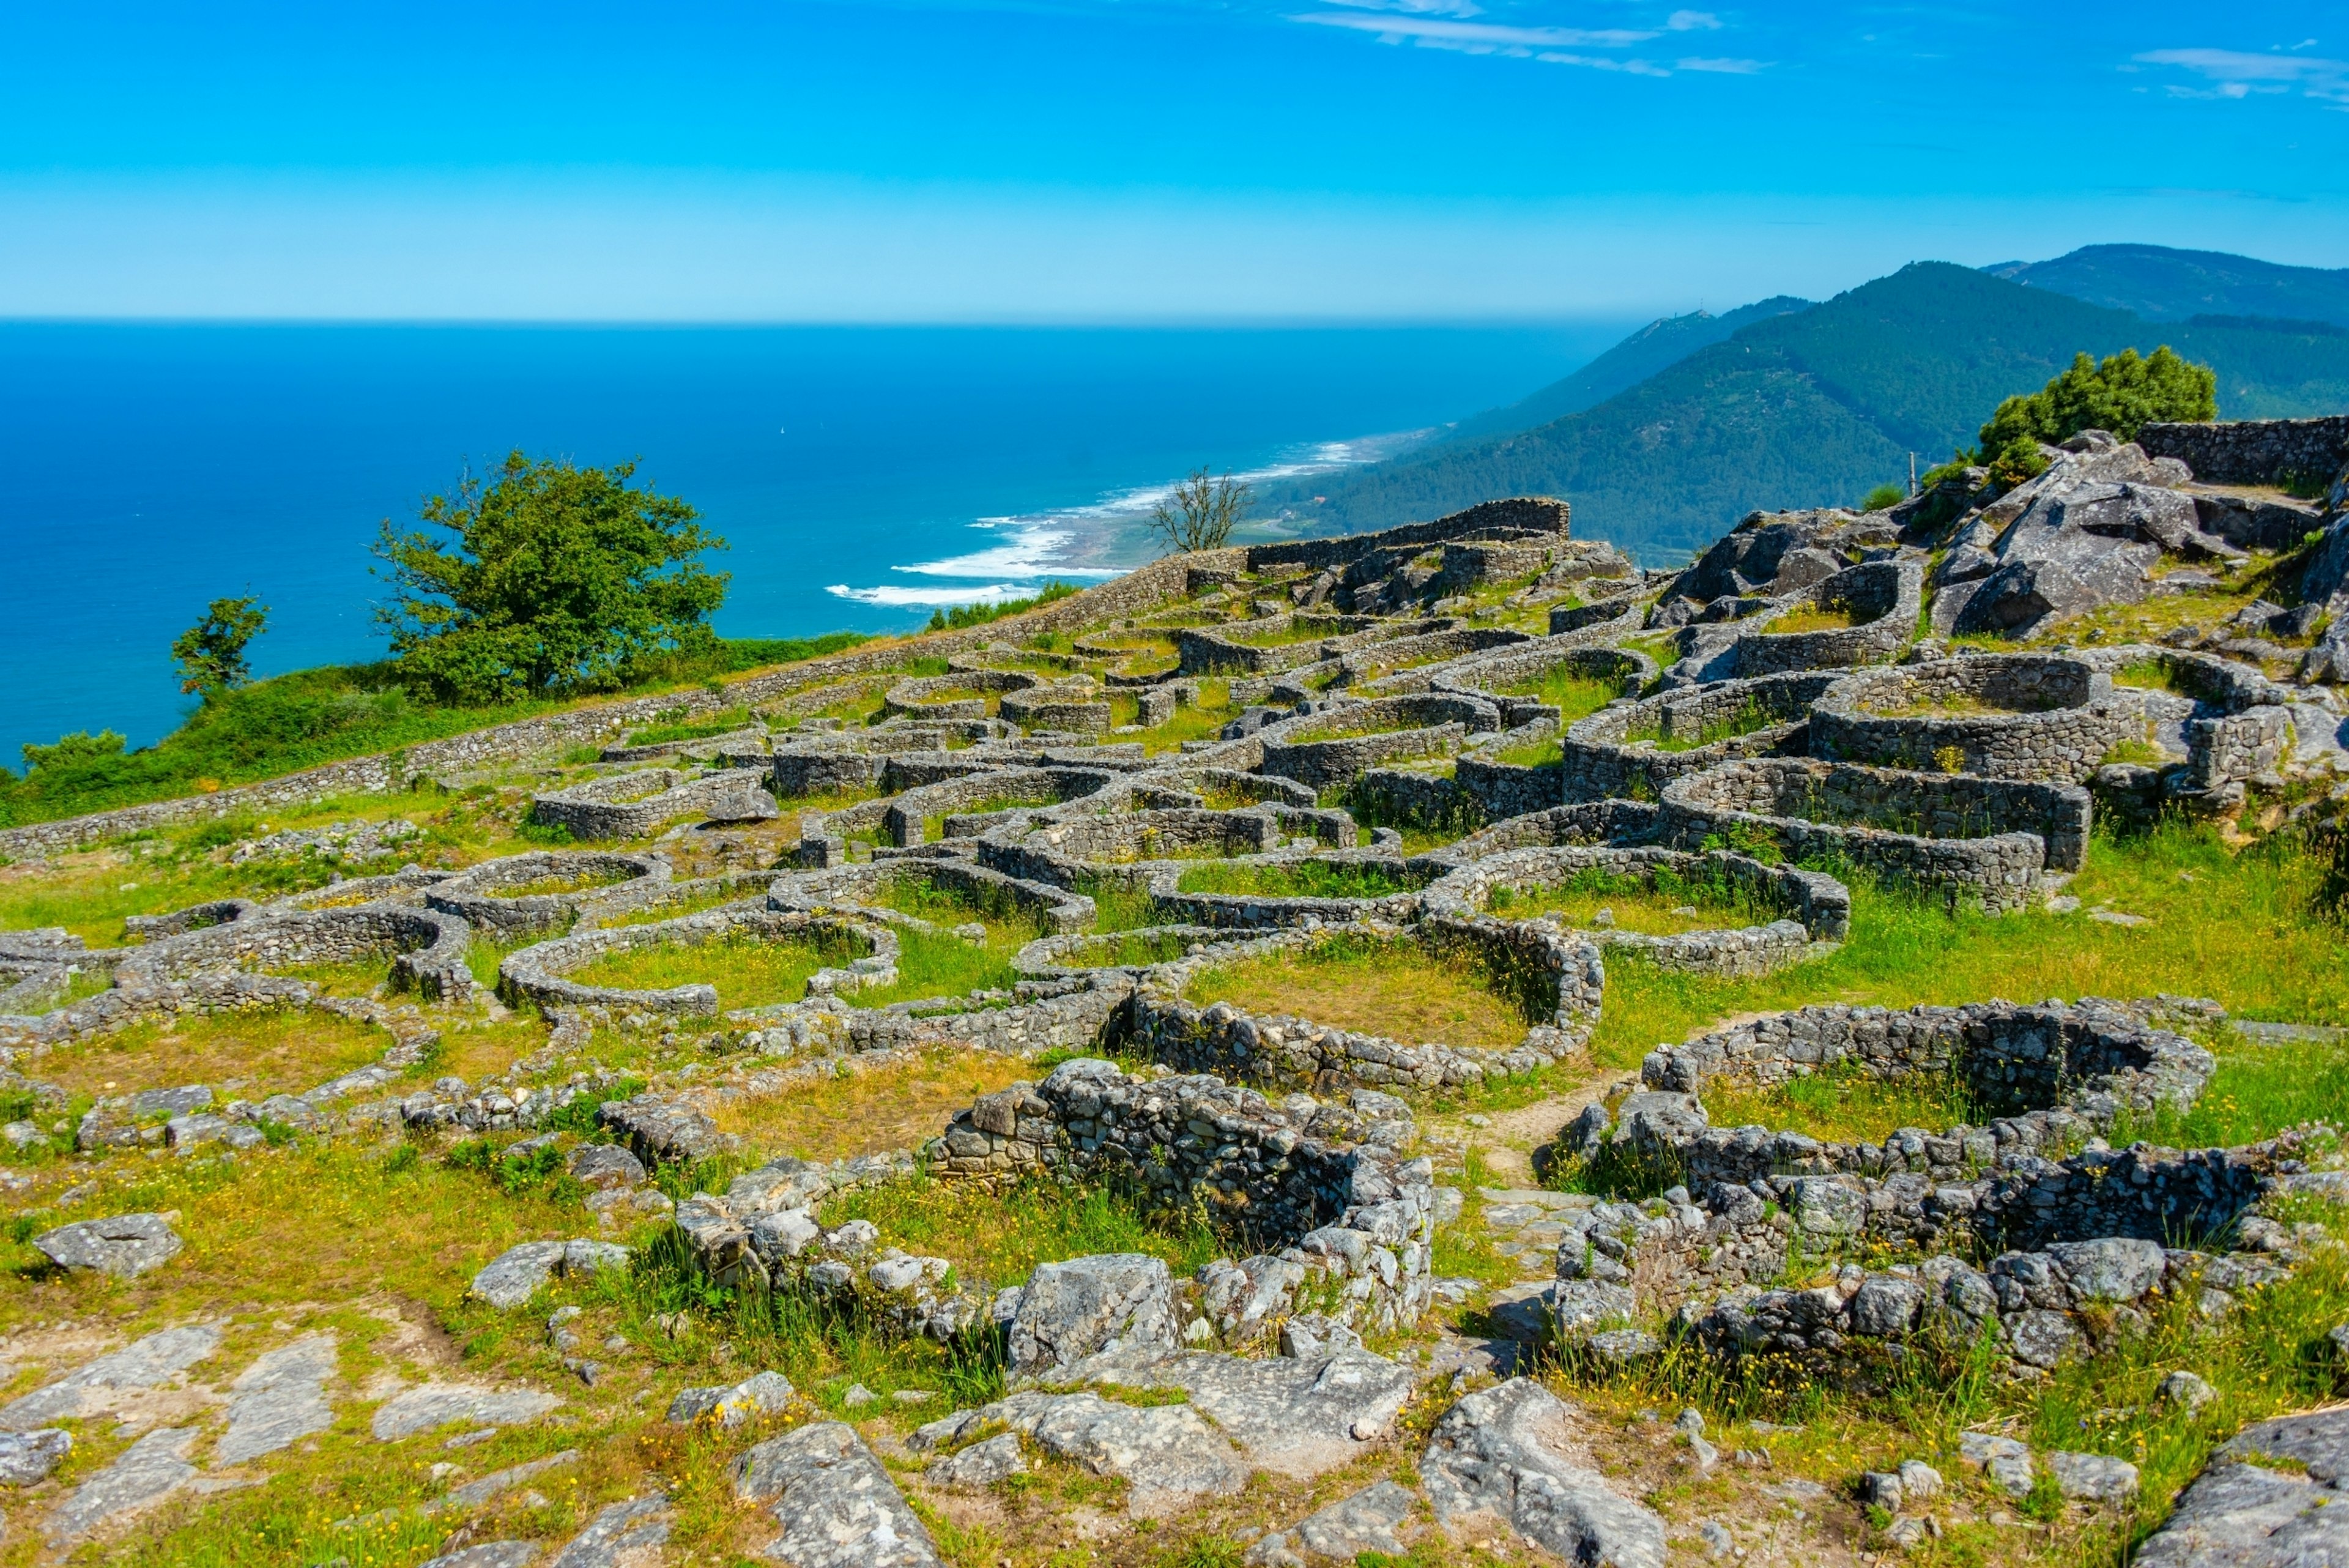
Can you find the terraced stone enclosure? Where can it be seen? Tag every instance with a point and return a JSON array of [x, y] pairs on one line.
[[1271, 1059]]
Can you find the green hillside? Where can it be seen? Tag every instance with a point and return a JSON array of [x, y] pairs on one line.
[[1659, 344], [2163, 284], [1812, 410]]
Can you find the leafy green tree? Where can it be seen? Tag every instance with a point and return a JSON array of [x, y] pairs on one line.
[[2122, 393], [69, 751], [1203, 512], [210, 653], [546, 580]]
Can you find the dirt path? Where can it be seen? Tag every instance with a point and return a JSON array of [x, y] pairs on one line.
[[1508, 1139]]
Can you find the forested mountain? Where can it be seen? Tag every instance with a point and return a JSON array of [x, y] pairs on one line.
[[1650, 349], [1813, 409], [2163, 284]]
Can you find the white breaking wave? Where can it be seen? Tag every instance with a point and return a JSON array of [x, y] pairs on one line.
[[1031, 550], [989, 594]]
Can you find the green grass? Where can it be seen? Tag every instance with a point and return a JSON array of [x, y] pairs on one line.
[[1001, 1236], [1295, 880], [1843, 1105], [2265, 1358], [675, 727], [1744, 722], [937, 964], [746, 971], [1574, 696], [1547, 752], [1647, 905], [2240, 932], [1118, 908], [1392, 989], [312, 717]]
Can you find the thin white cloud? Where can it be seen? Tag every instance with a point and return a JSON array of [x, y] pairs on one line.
[[1479, 38], [1417, 7], [1720, 67], [1693, 22], [1600, 63], [2239, 74]]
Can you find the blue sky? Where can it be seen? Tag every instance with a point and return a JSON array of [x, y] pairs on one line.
[[1131, 160]]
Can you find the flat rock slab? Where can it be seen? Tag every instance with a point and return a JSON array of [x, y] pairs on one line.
[[144, 1363], [1510, 1456], [28, 1458], [145, 1473], [497, 1483], [126, 1245], [514, 1276], [2256, 1506], [760, 1393], [488, 1554], [420, 1410], [1297, 1417], [623, 1535], [280, 1399], [1167, 1454], [1370, 1521], [981, 1464], [837, 1506]]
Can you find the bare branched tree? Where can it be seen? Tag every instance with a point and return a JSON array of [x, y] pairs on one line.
[[1202, 512]]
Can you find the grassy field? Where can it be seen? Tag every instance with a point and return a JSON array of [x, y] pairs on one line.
[[1295, 880], [249, 1056], [1395, 990], [747, 971], [2231, 925], [1665, 905]]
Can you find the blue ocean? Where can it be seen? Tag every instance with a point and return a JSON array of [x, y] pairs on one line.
[[863, 475]]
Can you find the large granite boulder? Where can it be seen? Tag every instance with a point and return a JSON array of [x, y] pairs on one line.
[[1168, 1456], [2271, 1498], [1510, 1457], [1087, 1305], [1297, 1416], [126, 1245], [837, 1507]]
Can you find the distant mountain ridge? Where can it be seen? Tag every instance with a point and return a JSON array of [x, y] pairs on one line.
[[1662, 343], [1815, 407], [2163, 284]]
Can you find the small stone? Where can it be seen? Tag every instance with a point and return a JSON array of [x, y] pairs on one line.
[[2186, 1389], [434, 1404], [857, 1396], [1881, 1489], [1366, 1522], [2063, 904], [1920, 1482], [1718, 1543], [1909, 1535], [2092, 1478], [2006, 1461], [1690, 1423], [2115, 917], [914, 1396], [1702, 1455], [28, 1458], [982, 1464]]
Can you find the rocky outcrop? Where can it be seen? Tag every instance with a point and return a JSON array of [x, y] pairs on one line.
[[1511, 1456]]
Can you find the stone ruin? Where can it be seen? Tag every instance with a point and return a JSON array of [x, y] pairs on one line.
[[1360, 692]]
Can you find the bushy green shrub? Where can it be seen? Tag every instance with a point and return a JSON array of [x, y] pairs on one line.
[[953, 617], [1882, 497], [2121, 393]]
